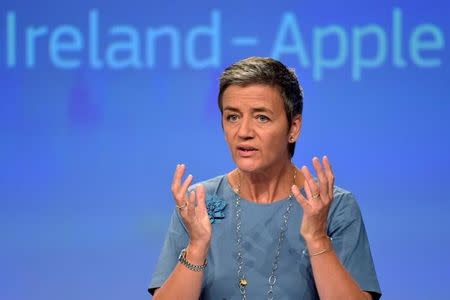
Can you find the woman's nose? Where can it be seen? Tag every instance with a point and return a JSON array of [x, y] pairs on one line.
[[246, 128]]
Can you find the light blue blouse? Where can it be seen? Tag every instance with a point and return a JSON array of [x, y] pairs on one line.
[[260, 230]]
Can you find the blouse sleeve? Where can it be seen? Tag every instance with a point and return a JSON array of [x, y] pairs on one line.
[[349, 238], [176, 239]]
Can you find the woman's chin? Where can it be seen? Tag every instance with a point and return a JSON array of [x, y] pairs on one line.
[[248, 166]]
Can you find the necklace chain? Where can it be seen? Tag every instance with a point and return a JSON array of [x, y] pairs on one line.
[[242, 280]]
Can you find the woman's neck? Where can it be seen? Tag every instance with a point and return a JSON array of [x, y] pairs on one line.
[[267, 186]]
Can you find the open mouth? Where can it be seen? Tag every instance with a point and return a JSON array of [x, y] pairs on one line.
[[246, 150], [242, 148]]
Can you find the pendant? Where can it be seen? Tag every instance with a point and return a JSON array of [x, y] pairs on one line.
[[243, 282]]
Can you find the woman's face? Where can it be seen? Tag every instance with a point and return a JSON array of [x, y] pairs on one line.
[[256, 128]]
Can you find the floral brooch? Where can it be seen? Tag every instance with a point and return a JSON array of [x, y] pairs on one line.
[[215, 207]]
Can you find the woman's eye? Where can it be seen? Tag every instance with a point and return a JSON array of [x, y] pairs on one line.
[[232, 118], [262, 118]]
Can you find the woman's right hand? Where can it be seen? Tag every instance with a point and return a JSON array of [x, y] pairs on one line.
[[192, 209]]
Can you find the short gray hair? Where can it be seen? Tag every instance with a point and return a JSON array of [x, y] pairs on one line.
[[266, 70]]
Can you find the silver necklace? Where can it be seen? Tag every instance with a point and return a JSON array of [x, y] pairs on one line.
[[272, 279]]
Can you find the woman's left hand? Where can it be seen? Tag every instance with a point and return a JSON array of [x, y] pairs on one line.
[[317, 202]]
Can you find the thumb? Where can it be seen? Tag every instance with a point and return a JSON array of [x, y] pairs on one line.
[[201, 201], [299, 197]]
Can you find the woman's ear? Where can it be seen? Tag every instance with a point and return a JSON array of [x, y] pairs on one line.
[[296, 126]]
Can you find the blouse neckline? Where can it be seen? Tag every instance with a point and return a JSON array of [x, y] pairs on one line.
[[274, 203]]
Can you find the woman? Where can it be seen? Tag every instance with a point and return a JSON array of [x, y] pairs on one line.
[[266, 229]]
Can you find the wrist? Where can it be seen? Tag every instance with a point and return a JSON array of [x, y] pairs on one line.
[[318, 244], [197, 253], [188, 264]]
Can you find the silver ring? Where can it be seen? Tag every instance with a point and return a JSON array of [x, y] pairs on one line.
[[182, 206]]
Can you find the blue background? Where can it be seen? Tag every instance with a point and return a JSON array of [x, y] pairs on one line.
[[87, 154]]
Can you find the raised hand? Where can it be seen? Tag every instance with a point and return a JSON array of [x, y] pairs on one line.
[[192, 208], [318, 200]]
